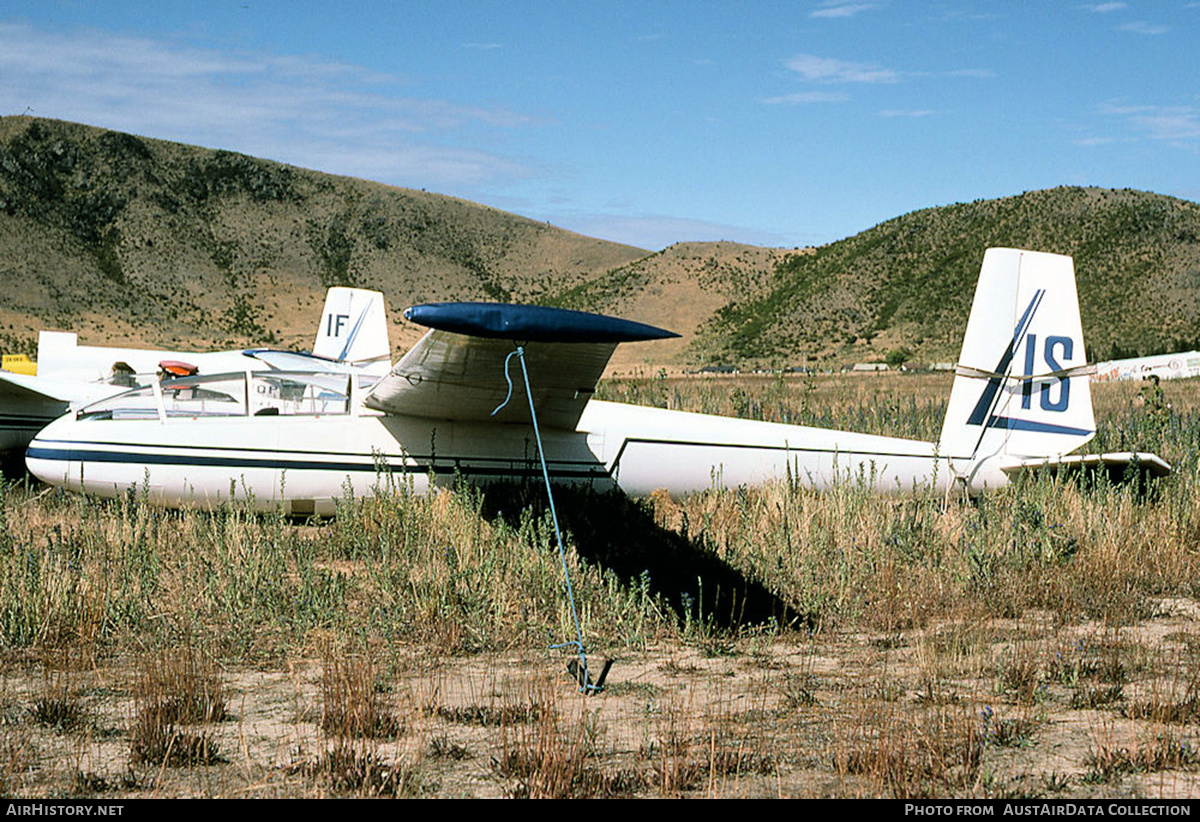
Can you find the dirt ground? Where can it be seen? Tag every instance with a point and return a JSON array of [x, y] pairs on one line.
[[999, 709]]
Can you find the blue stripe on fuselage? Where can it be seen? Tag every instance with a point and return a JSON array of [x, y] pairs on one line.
[[500, 467]]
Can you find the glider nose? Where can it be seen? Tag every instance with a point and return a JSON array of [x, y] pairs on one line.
[[48, 455]]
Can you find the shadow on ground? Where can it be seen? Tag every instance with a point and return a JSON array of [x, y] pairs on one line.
[[619, 534]]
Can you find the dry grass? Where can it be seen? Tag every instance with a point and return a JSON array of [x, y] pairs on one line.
[[354, 770], [1041, 641], [176, 689], [552, 759], [351, 702]]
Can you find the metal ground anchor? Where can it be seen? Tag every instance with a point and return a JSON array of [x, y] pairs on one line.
[[581, 675]]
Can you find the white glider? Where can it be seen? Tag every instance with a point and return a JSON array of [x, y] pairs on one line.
[[352, 335], [455, 406], [1178, 366]]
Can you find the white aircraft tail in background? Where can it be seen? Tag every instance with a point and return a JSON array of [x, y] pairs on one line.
[[352, 336], [455, 407], [354, 329]]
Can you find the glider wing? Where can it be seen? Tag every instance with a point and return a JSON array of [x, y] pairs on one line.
[[462, 369]]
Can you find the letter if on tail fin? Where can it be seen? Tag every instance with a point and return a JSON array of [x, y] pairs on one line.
[[354, 327]]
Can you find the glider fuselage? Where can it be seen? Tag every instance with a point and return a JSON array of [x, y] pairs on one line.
[[309, 461]]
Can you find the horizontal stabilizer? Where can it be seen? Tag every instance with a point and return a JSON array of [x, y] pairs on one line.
[[1117, 465], [295, 360]]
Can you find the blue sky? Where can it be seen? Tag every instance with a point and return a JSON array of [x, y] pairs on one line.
[[645, 122]]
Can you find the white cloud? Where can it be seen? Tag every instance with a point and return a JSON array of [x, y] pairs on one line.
[[1105, 8], [900, 112], [842, 9], [337, 117], [1142, 27], [1172, 123], [802, 97], [827, 69]]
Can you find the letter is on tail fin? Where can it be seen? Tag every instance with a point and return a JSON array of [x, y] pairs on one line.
[[354, 328], [1021, 388]]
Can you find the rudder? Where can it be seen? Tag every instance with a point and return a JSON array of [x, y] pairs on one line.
[[1021, 388], [353, 327]]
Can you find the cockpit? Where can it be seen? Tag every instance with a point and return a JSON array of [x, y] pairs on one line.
[[238, 394]]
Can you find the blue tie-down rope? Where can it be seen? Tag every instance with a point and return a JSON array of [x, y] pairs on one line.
[[578, 669]]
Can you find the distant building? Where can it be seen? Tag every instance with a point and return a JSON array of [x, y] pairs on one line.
[[870, 366]]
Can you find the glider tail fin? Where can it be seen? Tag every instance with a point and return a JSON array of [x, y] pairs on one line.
[[1021, 388], [354, 327]]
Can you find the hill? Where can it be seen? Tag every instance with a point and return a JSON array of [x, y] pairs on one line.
[[143, 241], [135, 241], [678, 288], [908, 283]]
